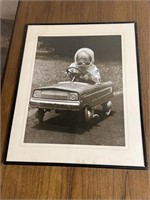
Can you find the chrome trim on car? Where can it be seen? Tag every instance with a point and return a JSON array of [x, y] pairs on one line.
[[74, 103], [77, 103], [55, 105]]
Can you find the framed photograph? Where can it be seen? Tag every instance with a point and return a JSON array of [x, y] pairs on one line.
[[78, 100]]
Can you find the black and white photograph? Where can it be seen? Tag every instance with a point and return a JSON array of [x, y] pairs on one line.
[[77, 94], [78, 98]]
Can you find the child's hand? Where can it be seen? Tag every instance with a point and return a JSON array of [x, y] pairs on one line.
[[87, 76]]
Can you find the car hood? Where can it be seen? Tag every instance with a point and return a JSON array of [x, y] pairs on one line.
[[75, 86]]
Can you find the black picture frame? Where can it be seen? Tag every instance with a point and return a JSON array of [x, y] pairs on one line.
[[100, 29]]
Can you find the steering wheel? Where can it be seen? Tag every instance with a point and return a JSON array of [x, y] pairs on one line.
[[75, 73]]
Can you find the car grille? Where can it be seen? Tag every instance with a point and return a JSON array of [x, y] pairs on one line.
[[55, 94]]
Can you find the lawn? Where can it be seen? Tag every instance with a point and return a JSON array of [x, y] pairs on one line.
[[51, 70]]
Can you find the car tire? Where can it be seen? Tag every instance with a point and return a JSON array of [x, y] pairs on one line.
[[107, 107], [87, 114]]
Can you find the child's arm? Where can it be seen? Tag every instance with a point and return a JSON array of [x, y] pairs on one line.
[[88, 78], [93, 74], [96, 74]]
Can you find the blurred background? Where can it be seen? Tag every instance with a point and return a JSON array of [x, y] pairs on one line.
[[7, 16]]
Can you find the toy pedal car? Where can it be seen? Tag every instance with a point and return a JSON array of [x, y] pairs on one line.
[[73, 96]]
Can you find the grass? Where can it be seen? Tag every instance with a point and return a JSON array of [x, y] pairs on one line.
[[52, 70]]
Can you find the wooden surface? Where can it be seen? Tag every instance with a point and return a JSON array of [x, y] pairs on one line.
[[45, 182]]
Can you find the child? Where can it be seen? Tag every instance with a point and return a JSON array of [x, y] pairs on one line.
[[84, 61]]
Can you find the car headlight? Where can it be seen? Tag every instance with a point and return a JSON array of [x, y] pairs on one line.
[[37, 93], [73, 96]]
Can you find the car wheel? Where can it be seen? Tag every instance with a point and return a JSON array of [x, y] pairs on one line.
[[41, 115], [107, 107], [88, 114]]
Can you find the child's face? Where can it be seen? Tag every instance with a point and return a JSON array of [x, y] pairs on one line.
[[83, 61]]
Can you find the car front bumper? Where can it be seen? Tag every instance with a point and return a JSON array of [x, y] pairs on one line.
[[55, 105]]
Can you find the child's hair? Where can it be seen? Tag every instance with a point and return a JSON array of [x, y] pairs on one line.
[[87, 51]]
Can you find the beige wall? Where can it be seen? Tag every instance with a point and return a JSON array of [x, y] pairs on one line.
[[8, 9]]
